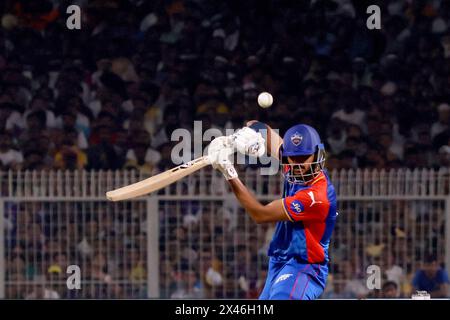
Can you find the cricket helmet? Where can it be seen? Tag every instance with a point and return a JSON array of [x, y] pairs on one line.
[[302, 140]]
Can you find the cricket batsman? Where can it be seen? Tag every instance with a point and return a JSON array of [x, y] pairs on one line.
[[305, 213]]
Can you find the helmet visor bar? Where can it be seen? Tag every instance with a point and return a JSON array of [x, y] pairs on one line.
[[293, 171]]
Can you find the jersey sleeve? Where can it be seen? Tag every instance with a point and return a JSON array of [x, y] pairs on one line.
[[307, 205]]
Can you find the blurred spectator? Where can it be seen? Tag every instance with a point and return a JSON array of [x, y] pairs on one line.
[[35, 123], [98, 268], [37, 160], [69, 156], [443, 120], [58, 263], [355, 286], [37, 15], [10, 117], [393, 272], [41, 290], [393, 150], [141, 156], [347, 160], [142, 159], [432, 278], [10, 158], [334, 289], [16, 266], [444, 156], [170, 123], [136, 120], [41, 104], [337, 139], [68, 124], [166, 159], [137, 267], [349, 113], [188, 286], [256, 290], [390, 290], [333, 163], [16, 290], [103, 156]]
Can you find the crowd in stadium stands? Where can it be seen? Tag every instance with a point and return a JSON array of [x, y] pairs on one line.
[[109, 96], [43, 240]]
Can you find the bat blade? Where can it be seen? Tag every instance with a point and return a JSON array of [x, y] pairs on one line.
[[158, 181]]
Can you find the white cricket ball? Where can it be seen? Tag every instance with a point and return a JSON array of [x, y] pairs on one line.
[[265, 99]]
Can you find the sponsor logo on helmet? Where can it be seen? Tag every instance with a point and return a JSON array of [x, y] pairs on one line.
[[296, 206], [296, 139]]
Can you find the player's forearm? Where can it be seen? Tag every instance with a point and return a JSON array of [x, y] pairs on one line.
[[253, 207], [273, 141]]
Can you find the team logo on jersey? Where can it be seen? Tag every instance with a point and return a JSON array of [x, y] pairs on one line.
[[296, 206], [283, 277], [296, 139]]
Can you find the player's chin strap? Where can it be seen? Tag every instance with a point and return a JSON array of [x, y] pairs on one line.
[[316, 167]]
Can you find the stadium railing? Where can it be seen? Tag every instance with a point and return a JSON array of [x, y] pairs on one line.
[[192, 239]]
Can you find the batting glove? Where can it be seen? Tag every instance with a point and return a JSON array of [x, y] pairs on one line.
[[220, 152], [248, 141]]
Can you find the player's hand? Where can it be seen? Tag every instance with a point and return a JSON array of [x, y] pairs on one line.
[[220, 152], [248, 141]]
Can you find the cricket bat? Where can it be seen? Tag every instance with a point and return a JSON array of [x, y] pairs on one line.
[[158, 181]]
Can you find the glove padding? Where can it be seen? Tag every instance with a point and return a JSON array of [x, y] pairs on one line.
[[220, 151], [248, 141]]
